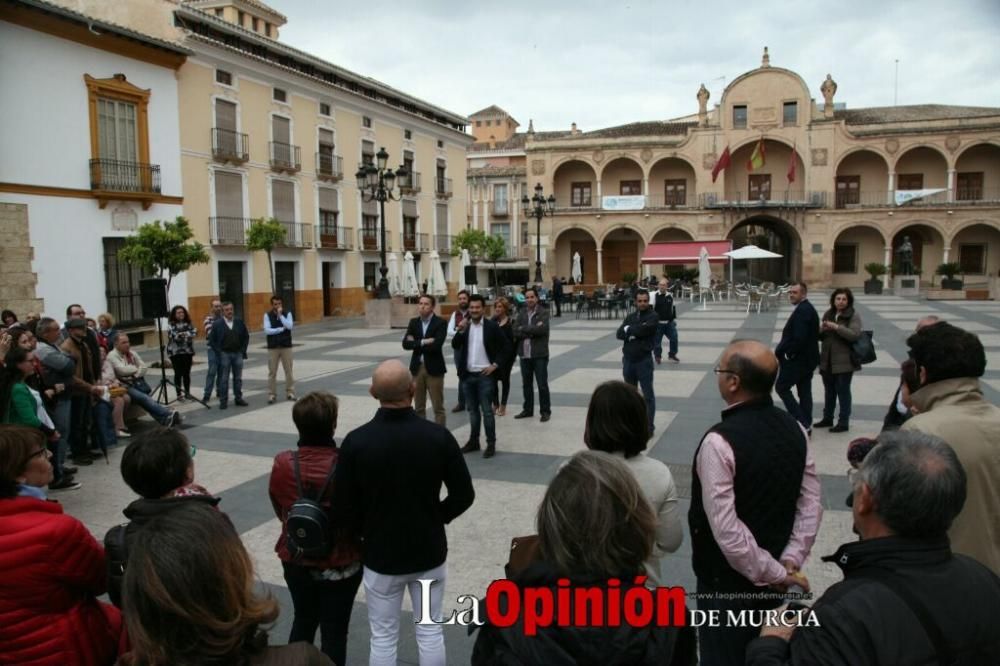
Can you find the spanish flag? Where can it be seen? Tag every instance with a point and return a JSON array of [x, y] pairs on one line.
[[757, 159]]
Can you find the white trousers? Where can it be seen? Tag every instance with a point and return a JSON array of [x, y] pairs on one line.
[[384, 594]]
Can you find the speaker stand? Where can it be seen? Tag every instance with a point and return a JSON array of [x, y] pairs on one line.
[[160, 393]]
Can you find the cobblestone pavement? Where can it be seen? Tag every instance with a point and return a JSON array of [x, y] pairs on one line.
[[235, 447]]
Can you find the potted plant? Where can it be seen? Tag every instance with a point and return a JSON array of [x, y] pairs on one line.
[[876, 271], [948, 272]]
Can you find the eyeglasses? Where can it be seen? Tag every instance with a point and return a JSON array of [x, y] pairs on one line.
[[720, 371]]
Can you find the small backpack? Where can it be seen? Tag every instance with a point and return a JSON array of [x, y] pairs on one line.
[[307, 524]]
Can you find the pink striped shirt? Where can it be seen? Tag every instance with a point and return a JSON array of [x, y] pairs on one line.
[[716, 465]]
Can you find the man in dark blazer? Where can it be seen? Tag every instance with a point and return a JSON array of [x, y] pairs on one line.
[[425, 337], [481, 348], [531, 335], [798, 355], [230, 338]]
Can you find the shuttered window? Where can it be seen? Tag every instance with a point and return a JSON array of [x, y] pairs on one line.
[[410, 208], [225, 115], [281, 129], [329, 208], [228, 194], [368, 153], [441, 219], [117, 134], [283, 200]]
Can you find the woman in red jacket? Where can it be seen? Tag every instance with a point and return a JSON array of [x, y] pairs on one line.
[[51, 568], [322, 589]]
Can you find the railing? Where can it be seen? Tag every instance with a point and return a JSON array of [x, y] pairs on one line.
[[965, 196], [672, 201], [296, 235], [284, 156], [442, 243], [442, 187], [415, 242], [973, 196], [228, 230], [786, 199], [119, 176], [230, 146], [329, 166], [414, 185], [370, 240], [500, 208], [334, 238]]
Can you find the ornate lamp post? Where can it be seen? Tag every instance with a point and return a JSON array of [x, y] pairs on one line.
[[376, 183], [538, 207]]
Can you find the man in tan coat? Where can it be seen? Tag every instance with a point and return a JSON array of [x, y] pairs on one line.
[[950, 404]]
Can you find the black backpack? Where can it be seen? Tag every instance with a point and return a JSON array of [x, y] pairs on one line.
[[307, 524]]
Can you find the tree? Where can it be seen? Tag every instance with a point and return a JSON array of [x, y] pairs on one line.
[[482, 246], [266, 235], [162, 248], [494, 248]]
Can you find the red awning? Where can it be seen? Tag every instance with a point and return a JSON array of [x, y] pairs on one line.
[[686, 252]]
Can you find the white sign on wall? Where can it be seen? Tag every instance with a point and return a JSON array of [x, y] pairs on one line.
[[633, 202]]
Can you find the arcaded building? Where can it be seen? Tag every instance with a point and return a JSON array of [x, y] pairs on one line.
[[832, 188]]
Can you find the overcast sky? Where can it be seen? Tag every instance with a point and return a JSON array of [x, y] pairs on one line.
[[604, 63]]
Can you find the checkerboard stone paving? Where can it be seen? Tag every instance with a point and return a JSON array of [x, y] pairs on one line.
[[235, 447]]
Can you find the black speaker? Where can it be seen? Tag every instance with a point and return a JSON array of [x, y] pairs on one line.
[[153, 294], [470, 276]]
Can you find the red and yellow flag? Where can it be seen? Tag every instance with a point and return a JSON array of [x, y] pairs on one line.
[[757, 159]]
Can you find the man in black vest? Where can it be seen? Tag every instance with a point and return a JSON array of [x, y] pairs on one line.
[[666, 313], [798, 354], [425, 336], [637, 332], [457, 316], [231, 338], [278, 327], [755, 502]]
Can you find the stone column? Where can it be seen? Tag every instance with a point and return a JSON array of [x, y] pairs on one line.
[[887, 261], [598, 194], [475, 210], [890, 197], [944, 257], [951, 188], [600, 268]]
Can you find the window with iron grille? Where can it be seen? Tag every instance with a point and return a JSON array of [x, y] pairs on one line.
[[407, 134], [675, 192], [970, 186], [121, 286], [845, 258], [972, 258], [440, 144], [223, 77]]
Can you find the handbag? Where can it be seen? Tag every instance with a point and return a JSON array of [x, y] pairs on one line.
[[524, 551], [863, 349], [140, 384]]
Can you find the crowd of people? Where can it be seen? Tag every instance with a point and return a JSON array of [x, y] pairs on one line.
[[920, 584]]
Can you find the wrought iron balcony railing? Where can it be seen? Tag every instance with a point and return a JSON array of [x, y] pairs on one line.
[[329, 166], [284, 156], [334, 238], [230, 146], [124, 177]]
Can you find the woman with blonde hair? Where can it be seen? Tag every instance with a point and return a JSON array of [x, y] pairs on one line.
[[106, 332], [502, 316], [189, 597]]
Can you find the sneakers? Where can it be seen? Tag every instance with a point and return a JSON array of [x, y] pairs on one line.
[[65, 483], [123, 434], [240, 402], [173, 420], [470, 447]]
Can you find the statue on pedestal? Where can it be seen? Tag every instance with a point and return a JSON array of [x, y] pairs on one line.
[[904, 255], [829, 89], [703, 96]]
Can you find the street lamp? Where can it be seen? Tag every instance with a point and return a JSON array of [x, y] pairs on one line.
[[376, 183], [538, 207]]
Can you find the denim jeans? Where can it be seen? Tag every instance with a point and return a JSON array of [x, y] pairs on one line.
[[480, 391], [802, 410], [211, 379], [384, 594], [461, 382], [103, 417], [61, 414], [536, 369], [230, 361], [323, 604], [153, 408], [837, 388], [640, 372], [668, 329]]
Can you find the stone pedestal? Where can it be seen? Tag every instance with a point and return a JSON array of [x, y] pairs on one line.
[[906, 285], [378, 313], [402, 313]]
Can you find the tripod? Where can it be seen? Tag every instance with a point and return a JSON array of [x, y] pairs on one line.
[[160, 393]]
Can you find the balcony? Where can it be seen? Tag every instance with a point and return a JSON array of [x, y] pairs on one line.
[[442, 243], [413, 187], [284, 156], [228, 230], [329, 166], [415, 242], [296, 235], [369, 240], [976, 196], [500, 208], [442, 188], [334, 238], [230, 146], [964, 196], [787, 199], [670, 202], [115, 180]]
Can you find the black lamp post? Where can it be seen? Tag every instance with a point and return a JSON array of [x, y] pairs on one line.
[[538, 207], [376, 183]]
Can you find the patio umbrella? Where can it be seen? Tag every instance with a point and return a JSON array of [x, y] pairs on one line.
[[395, 284], [751, 252], [466, 261], [410, 286], [436, 286], [704, 276], [577, 272]]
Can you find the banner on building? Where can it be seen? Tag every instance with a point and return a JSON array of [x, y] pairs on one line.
[[633, 202], [905, 196]]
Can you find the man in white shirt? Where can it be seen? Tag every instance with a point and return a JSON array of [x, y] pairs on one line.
[[460, 314], [278, 327]]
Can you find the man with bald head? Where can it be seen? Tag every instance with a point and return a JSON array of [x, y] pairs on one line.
[[388, 483], [755, 501]]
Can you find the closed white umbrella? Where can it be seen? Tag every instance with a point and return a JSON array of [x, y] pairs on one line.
[[410, 286], [577, 269], [466, 261], [704, 276], [436, 285], [395, 284]]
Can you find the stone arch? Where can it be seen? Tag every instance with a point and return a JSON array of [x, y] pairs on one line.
[[977, 177], [677, 193], [980, 239], [768, 70], [780, 153], [781, 236], [566, 173], [861, 177], [928, 241], [950, 238], [621, 252], [871, 224], [670, 232], [557, 234], [623, 225], [907, 150], [618, 168], [861, 149], [995, 143], [564, 243], [574, 158]]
